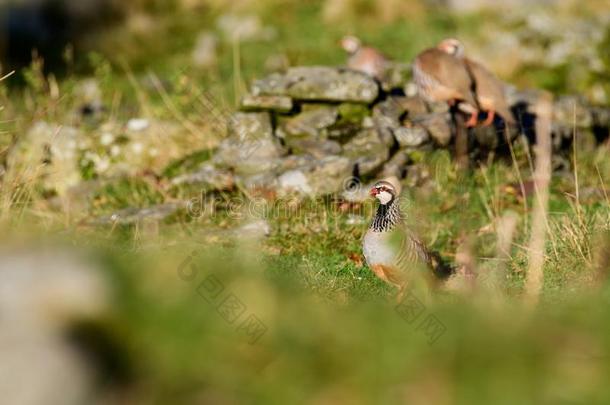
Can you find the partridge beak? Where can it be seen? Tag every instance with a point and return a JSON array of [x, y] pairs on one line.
[[374, 192]]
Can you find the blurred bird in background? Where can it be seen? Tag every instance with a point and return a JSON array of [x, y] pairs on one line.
[[442, 77], [365, 59], [391, 249], [489, 90]]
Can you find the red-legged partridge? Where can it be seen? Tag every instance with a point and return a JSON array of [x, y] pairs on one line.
[[364, 58], [440, 76], [489, 90], [391, 250]]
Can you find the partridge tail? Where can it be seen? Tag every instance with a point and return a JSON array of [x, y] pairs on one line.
[[439, 266]]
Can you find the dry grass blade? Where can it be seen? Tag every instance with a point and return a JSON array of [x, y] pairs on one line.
[[505, 230], [542, 177], [6, 76], [464, 280], [602, 259], [516, 168]]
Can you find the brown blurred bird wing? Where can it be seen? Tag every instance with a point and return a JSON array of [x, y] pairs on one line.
[[489, 90], [445, 72]]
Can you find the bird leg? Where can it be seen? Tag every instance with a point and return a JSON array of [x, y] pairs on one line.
[[472, 121], [461, 142], [490, 118], [379, 272]]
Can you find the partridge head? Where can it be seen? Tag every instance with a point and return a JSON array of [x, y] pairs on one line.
[[452, 46], [384, 191]]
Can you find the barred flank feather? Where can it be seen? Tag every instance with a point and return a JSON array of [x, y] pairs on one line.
[[425, 83], [411, 250]]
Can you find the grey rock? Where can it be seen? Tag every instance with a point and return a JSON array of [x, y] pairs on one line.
[[258, 181], [528, 97], [438, 107], [316, 178], [319, 83], [208, 177], [356, 192], [310, 122], [415, 105], [315, 148], [250, 147], [275, 103], [391, 108], [295, 181], [343, 132], [438, 126], [268, 181], [386, 118], [248, 157], [247, 126], [417, 175], [411, 137], [134, 215], [367, 123], [295, 162], [396, 166], [572, 111], [328, 174], [396, 76], [367, 151]]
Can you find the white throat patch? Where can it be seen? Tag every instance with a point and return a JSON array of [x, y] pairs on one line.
[[384, 197]]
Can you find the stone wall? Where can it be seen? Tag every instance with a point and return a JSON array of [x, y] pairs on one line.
[[310, 128]]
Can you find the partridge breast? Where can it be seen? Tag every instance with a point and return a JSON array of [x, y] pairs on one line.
[[378, 248]]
